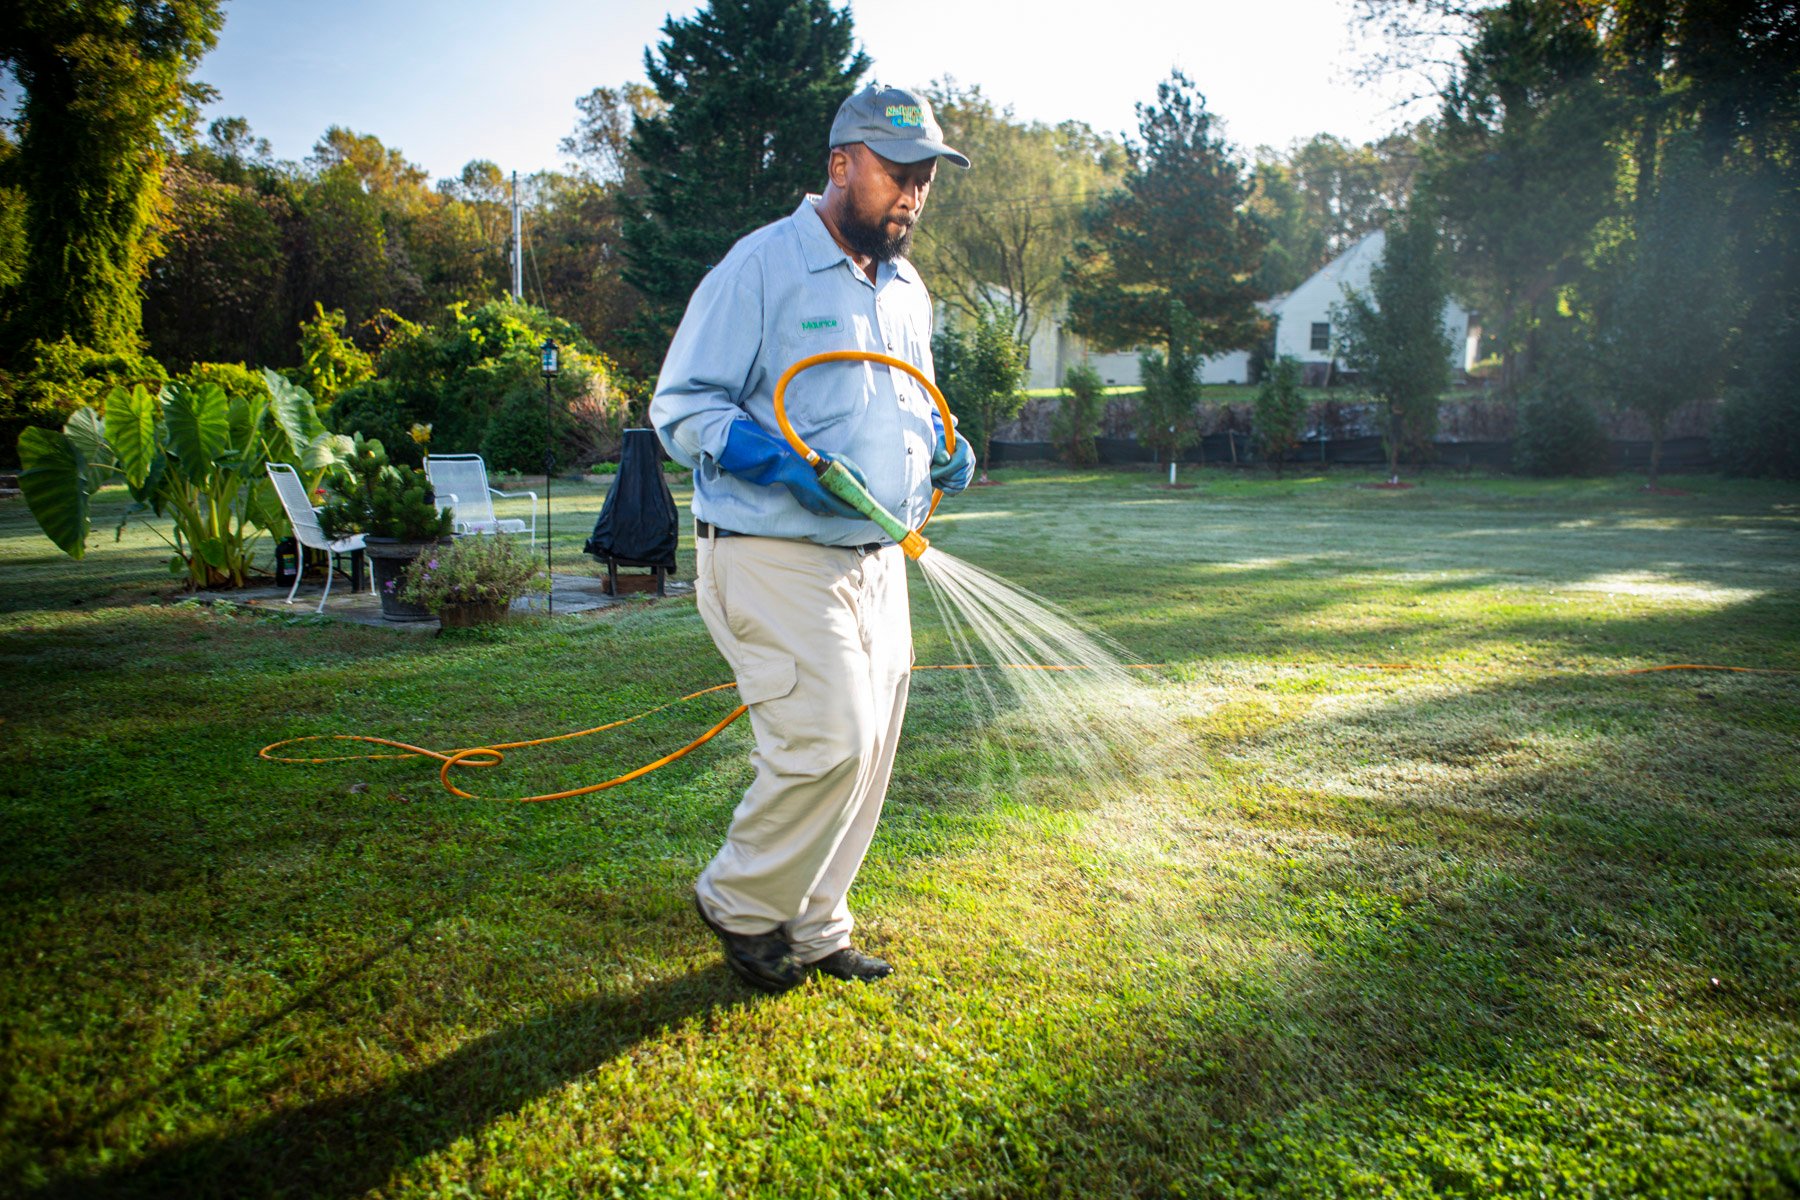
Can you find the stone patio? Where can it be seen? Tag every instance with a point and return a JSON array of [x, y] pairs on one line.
[[572, 594]]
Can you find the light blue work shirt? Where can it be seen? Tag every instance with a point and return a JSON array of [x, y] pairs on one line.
[[784, 293]]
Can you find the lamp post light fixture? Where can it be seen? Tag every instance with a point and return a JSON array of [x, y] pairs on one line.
[[549, 365]]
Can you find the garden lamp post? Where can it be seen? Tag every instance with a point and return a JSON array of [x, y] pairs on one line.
[[548, 364]]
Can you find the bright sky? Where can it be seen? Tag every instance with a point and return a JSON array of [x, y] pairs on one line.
[[448, 81]]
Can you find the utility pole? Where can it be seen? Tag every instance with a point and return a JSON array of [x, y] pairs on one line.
[[518, 244]]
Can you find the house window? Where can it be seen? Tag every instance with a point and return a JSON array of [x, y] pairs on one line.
[[1321, 335]]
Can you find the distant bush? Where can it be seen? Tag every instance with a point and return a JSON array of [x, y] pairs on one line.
[[237, 381], [474, 379], [1077, 418], [54, 379], [1280, 412], [1558, 430], [1759, 423]]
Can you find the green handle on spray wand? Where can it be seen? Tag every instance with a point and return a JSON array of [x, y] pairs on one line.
[[839, 481]]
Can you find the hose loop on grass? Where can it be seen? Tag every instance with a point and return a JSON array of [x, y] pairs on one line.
[[482, 757]]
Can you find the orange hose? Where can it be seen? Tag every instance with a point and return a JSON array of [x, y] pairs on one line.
[[492, 756]]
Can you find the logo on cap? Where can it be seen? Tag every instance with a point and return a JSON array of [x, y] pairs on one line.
[[903, 115]]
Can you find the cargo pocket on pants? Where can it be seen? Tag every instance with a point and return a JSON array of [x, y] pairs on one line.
[[765, 677]]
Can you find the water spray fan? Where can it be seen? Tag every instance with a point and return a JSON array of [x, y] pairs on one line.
[[839, 481]]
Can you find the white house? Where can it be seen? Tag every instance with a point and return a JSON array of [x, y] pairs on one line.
[[1303, 331], [1303, 324]]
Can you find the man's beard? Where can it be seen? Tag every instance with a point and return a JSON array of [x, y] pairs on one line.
[[871, 240]]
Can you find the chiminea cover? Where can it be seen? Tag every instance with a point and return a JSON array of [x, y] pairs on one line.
[[639, 522]]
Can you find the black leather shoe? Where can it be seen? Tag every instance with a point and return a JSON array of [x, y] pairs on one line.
[[762, 960], [851, 963]]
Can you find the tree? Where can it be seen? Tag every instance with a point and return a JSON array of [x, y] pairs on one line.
[[1280, 412], [1077, 418], [600, 147], [1394, 333], [1175, 232], [104, 85], [218, 292], [751, 88], [1523, 170], [1671, 308], [979, 373], [1171, 397], [999, 235]]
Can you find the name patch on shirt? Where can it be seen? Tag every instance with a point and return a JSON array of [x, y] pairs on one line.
[[811, 325]]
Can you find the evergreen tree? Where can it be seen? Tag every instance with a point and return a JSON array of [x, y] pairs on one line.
[[751, 87], [104, 85], [1394, 333], [1177, 231]]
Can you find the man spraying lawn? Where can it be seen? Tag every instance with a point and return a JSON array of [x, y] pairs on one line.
[[804, 596]]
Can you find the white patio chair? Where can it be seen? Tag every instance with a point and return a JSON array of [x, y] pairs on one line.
[[461, 481], [307, 534]]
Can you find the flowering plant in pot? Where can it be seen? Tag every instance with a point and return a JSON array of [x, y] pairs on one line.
[[471, 581], [395, 508]]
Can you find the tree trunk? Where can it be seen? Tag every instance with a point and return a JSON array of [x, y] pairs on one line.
[[1656, 445]]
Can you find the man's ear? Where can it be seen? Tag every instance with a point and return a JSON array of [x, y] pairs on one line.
[[837, 166]]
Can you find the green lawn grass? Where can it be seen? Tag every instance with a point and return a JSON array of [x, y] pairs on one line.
[[1437, 899]]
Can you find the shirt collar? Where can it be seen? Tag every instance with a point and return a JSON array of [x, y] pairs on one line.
[[822, 252]]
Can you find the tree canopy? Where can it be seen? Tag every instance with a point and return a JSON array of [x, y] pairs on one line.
[[998, 235], [1176, 231], [104, 86], [750, 89]]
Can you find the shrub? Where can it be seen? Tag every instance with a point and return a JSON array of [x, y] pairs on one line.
[[1280, 412], [1558, 431], [58, 378], [1759, 423], [1077, 418], [237, 381]]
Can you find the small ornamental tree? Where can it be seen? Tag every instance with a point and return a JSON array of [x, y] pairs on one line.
[[1167, 410], [1077, 418], [1394, 333], [979, 373], [1280, 412]]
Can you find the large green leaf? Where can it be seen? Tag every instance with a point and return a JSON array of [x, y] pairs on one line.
[[84, 429], [326, 450], [54, 480], [294, 410], [131, 432], [199, 421]]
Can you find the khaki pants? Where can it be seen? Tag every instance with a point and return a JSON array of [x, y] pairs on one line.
[[820, 639]]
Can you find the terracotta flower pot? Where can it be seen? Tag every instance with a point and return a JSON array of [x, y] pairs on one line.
[[460, 616]]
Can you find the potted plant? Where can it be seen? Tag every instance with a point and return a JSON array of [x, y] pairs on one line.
[[472, 581], [396, 510]]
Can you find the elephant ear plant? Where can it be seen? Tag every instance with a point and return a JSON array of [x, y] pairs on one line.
[[188, 453]]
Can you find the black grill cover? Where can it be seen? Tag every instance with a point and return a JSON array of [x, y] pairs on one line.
[[638, 523]]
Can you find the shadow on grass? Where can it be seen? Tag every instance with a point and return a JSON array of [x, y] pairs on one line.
[[346, 1145]]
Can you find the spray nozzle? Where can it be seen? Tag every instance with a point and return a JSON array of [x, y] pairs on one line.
[[841, 483]]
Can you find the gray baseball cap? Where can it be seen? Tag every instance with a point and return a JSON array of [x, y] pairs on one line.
[[895, 123]]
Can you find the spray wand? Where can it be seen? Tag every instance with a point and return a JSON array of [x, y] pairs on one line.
[[835, 477]]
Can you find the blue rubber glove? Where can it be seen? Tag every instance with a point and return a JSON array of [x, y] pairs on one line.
[[951, 471], [758, 456]]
